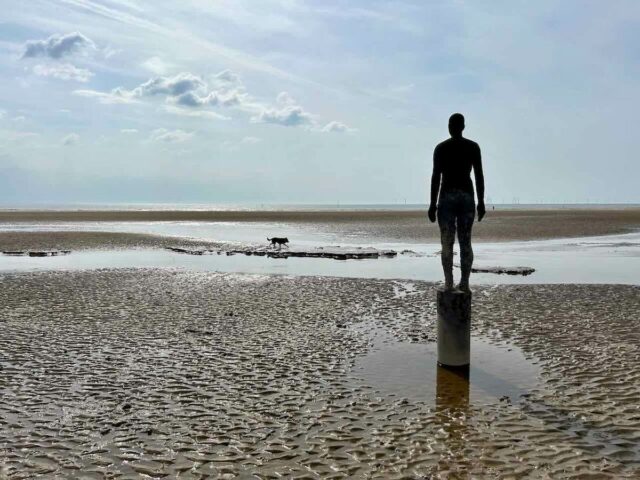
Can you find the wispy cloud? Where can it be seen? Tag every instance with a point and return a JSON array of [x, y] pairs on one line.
[[189, 112], [115, 96], [70, 140], [64, 71], [187, 36], [336, 126], [157, 65], [170, 136]]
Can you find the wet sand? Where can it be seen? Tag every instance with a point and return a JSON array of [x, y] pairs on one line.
[[389, 225], [85, 240], [116, 373]]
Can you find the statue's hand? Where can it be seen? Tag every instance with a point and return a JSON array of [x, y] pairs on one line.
[[432, 213], [481, 211]]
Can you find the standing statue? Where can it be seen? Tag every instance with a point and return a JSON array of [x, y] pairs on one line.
[[453, 160]]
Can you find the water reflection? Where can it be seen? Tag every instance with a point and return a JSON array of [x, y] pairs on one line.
[[452, 409], [452, 388], [409, 370]]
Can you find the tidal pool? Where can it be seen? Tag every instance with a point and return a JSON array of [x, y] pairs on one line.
[[410, 370]]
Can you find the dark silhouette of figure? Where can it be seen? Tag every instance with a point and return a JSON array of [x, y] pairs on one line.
[[455, 206]]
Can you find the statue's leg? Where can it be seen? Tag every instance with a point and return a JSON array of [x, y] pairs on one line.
[[465, 223], [447, 223]]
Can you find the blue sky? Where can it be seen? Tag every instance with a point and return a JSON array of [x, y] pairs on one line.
[[325, 101]]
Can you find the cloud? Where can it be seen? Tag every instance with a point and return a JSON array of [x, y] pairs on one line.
[[186, 91], [288, 114], [57, 46], [190, 99], [285, 99], [188, 112], [291, 116], [64, 71], [170, 136], [336, 126], [180, 84], [250, 140], [224, 99], [189, 90], [115, 96], [227, 76], [128, 131], [70, 140], [157, 65]]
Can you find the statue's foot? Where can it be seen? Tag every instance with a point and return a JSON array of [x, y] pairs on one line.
[[464, 287], [448, 286]]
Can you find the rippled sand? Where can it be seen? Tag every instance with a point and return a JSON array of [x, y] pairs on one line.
[[117, 373]]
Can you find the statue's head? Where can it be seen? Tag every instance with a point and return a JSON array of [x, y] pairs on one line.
[[456, 124]]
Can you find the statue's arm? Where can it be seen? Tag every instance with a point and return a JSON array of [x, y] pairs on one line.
[[477, 171], [435, 178]]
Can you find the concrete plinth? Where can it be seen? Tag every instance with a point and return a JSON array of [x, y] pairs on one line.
[[454, 329]]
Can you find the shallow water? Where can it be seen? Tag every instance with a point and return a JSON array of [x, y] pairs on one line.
[[604, 259], [409, 370], [597, 260]]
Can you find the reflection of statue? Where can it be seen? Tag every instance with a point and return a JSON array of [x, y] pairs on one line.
[[452, 413], [453, 160], [452, 388]]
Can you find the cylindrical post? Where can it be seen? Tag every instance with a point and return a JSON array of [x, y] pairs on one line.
[[454, 328]]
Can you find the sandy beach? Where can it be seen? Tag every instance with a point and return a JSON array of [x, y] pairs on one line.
[[217, 259], [165, 373], [390, 225]]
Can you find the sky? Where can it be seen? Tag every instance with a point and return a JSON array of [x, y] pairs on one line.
[[294, 101]]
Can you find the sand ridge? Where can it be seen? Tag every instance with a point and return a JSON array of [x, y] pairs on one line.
[[117, 373], [93, 240]]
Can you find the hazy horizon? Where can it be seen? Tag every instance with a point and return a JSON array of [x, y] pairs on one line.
[[274, 206], [291, 101]]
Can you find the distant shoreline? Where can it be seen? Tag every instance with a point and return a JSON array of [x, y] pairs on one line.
[[385, 225], [293, 207], [294, 214]]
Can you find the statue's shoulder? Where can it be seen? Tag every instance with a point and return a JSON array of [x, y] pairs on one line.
[[444, 144], [471, 143]]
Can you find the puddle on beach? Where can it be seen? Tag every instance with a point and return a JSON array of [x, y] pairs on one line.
[[410, 370]]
